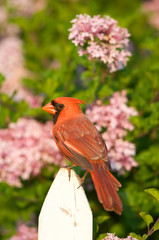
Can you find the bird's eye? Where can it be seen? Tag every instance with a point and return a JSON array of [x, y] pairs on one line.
[[61, 105]]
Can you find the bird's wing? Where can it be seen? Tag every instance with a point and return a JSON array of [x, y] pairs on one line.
[[80, 142]]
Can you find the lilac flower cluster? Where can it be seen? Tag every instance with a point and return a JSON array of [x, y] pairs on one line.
[[7, 28], [12, 62], [12, 67], [114, 118], [111, 236], [26, 147], [25, 233], [101, 38], [153, 7], [27, 7], [3, 15]]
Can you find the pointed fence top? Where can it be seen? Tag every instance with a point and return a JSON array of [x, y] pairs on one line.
[[66, 213]]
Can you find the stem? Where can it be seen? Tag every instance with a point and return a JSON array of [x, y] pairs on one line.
[[150, 231]]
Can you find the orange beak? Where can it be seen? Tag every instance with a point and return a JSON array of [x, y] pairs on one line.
[[49, 108]]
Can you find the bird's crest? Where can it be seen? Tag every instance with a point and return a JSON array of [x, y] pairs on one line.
[[68, 100]]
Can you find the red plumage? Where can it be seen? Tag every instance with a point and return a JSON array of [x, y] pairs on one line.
[[80, 142]]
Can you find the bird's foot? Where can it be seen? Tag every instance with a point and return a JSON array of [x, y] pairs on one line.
[[82, 179], [69, 169]]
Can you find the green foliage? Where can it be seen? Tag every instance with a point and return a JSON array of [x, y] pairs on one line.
[[154, 192], [156, 226], [137, 236], [148, 219], [10, 110], [2, 78], [57, 70]]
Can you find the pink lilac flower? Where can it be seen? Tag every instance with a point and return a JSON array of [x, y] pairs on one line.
[[10, 30], [101, 38], [11, 58], [114, 118], [33, 101], [26, 147], [111, 236], [3, 15], [25, 233], [152, 7], [7, 28], [27, 7], [12, 67]]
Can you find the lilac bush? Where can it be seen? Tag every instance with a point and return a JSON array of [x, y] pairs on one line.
[[37, 58], [111, 236], [26, 147], [27, 7], [25, 233], [114, 118], [101, 38], [152, 8], [12, 67]]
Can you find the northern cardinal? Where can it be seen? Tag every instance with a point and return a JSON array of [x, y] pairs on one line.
[[81, 143]]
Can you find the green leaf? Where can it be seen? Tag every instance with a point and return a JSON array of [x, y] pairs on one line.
[[2, 78], [101, 219], [134, 235], [144, 236], [102, 236], [156, 226], [148, 219], [95, 227], [86, 75], [154, 192]]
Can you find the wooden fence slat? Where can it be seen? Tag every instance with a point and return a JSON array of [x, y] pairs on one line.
[[66, 213]]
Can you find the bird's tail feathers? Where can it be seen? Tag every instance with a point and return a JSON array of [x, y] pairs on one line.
[[106, 186]]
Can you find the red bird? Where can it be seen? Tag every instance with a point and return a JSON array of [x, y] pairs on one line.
[[80, 142]]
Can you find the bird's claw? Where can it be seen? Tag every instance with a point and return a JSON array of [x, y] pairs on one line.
[[82, 180]]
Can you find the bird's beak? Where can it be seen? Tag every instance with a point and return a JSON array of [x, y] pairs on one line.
[[49, 108]]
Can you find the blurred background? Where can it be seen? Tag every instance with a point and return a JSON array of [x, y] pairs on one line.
[[38, 62]]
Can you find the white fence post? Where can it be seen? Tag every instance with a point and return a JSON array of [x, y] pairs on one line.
[[66, 213]]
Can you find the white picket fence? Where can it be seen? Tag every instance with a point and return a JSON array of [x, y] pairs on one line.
[[66, 213]]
